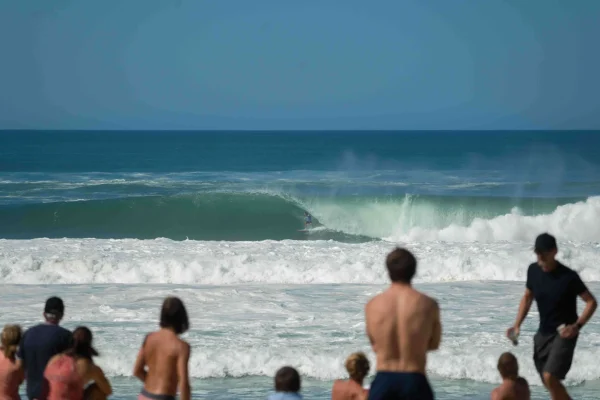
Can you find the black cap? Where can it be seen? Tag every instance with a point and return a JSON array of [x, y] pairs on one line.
[[55, 306], [545, 242]]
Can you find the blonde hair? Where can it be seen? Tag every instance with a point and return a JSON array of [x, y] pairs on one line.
[[11, 336], [357, 365]]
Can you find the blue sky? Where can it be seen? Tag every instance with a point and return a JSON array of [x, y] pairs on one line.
[[389, 64]]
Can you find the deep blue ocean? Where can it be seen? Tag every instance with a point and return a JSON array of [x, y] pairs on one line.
[[115, 221]]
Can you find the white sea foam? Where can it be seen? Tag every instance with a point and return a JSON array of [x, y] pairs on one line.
[[55, 261], [255, 329], [576, 222], [493, 249]]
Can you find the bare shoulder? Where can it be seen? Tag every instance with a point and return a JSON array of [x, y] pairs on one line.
[[87, 367], [84, 362], [54, 358], [500, 393], [374, 301], [149, 339], [495, 395], [428, 302], [184, 347], [96, 369]]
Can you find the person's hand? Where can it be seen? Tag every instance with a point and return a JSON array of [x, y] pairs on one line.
[[513, 330], [569, 331]]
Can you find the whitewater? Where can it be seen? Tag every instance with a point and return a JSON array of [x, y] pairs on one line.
[[113, 235]]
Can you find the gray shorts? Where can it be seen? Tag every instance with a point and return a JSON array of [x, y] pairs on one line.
[[553, 354]]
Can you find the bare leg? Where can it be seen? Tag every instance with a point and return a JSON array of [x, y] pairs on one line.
[[555, 387]]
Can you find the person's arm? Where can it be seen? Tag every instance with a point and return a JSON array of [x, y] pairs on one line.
[[525, 303], [139, 368], [21, 376], [524, 307], [436, 335], [581, 290], [590, 307], [367, 325], [365, 394], [100, 379], [185, 392]]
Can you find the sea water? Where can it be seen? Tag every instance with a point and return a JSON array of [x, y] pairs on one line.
[[115, 221]]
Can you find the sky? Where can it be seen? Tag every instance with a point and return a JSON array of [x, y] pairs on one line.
[[311, 64]]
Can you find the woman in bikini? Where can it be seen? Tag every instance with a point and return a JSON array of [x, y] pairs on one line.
[[11, 374], [166, 356], [68, 373]]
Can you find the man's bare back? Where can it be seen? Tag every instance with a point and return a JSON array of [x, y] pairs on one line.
[[403, 325], [163, 351], [517, 389], [165, 355]]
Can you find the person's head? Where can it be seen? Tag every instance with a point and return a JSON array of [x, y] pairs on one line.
[[545, 248], [174, 315], [11, 336], [508, 366], [54, 310], [357, 366], [401, 265], [82, 343], [287, 379]]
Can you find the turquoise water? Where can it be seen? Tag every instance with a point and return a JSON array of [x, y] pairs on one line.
[[256, 185], [115, 221]]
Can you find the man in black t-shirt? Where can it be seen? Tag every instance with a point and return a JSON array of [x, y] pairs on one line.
[[39, 344], [555, 289]]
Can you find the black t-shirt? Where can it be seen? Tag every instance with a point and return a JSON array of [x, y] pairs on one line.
[[38, 345], [556, 294]]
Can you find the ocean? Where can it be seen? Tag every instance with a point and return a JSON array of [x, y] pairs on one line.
[[115, 221]]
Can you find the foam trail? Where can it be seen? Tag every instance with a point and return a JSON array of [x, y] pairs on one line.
[[57, 261]]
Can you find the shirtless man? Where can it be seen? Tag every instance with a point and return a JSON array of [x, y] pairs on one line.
[[403, 325], [166, 356], [513, 386]]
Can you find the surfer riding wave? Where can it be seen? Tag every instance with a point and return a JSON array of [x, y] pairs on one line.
[[307, 220]]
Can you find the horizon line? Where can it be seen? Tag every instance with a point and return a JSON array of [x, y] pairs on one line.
[[297, 130]]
